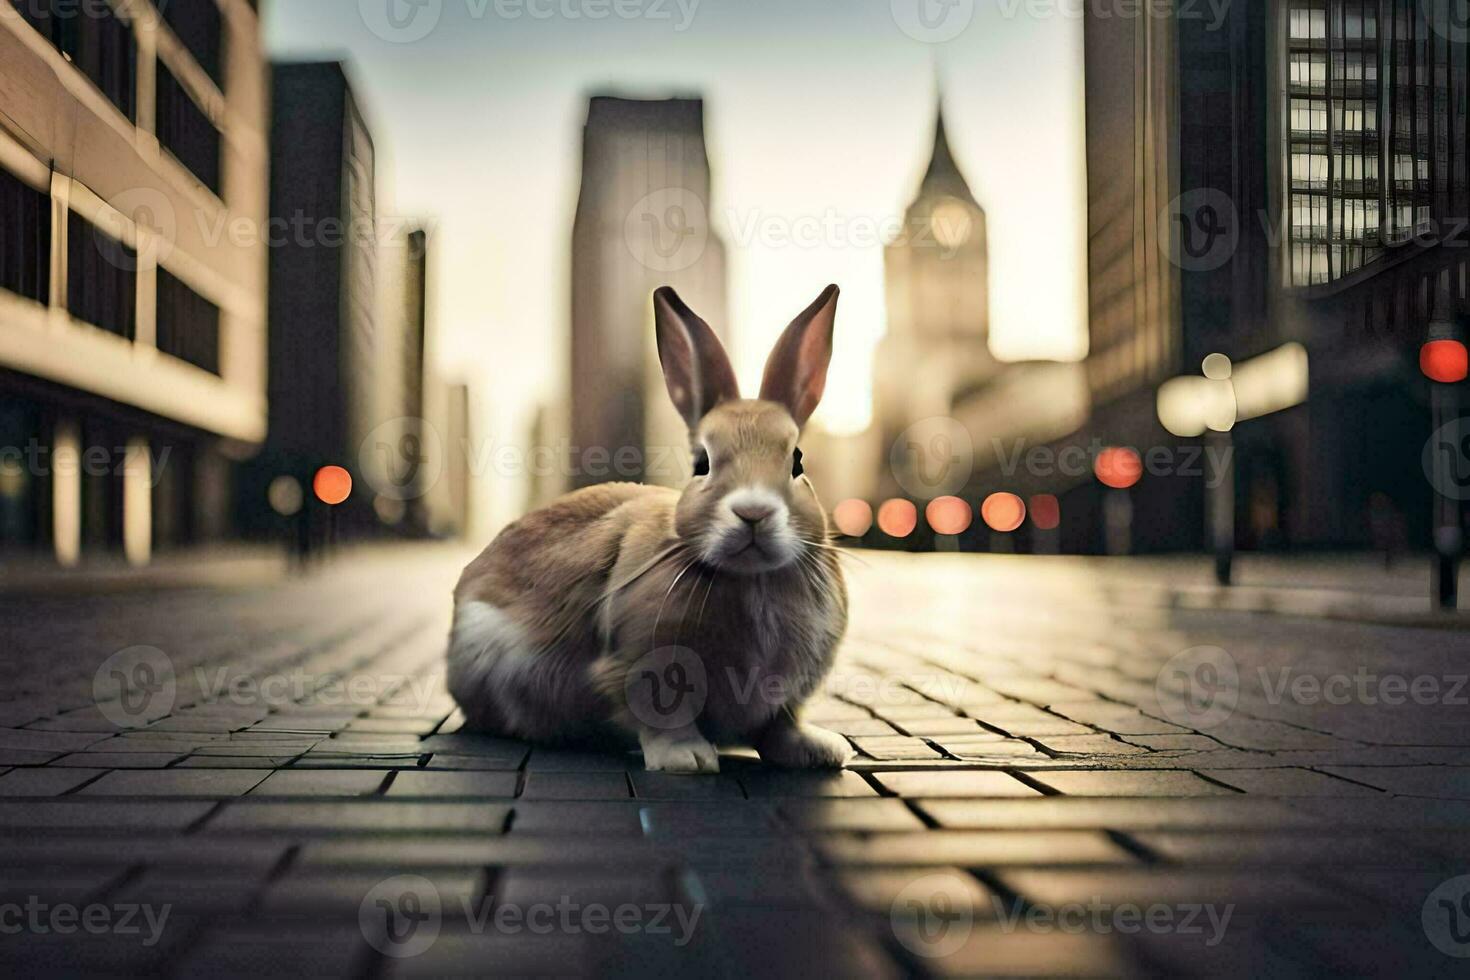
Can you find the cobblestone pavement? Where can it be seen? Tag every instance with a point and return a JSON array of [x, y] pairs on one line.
[[1057, 777]]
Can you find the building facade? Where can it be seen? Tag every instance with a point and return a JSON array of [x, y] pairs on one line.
[[133, 185], [1300, 168], [643, 220]]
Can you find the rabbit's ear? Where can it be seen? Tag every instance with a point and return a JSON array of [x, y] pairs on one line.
[[696, 369], [796, 373]]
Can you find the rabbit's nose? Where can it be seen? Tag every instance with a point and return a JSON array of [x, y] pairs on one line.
[[752, 513]]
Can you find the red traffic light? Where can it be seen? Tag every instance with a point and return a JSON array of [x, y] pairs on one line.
[[332, 485], [1118, 467], [1443, 360]]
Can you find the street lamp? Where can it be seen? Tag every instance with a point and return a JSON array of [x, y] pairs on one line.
[[1442, 360], [1119, 469]]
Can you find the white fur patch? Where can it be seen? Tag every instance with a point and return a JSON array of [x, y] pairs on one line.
[[488, 651]]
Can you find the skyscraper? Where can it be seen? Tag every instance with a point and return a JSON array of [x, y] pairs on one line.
[[643, 220], [132, 333]]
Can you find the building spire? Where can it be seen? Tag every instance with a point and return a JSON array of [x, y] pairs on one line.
[[944, 173]]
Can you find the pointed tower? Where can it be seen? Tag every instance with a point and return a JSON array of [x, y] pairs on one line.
[[937, 347]]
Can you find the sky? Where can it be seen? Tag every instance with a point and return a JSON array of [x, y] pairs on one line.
[[819, 113]]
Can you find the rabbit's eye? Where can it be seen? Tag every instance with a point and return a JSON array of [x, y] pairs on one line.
[[796, 468], [701, 463]]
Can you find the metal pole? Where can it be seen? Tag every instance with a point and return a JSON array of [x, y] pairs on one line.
[[1448, 532], [1221, 506]]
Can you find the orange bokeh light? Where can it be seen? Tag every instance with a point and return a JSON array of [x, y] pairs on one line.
[[332, 485], [948, 515], [1003, 512], [1046, 511], [853, 518], [1118, 467], [898, 518], [1444, 361]]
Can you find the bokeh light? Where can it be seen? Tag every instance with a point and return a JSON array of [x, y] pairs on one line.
[[853, 518], [948, 515], [1444, 361], [1046, 511], [332, 485], [1003, 512], [1118, 467], [1217, 367], [898, 518], [285, 495]]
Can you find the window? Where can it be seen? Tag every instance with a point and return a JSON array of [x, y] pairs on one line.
[[186, 132], [25, 239], [197, 23], [188, 324], [1349, 117], [101, 278], [96, 39]]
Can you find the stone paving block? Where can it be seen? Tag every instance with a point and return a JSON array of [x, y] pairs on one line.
[[682, 786], [45, 782], [1120, 719], [611, 817], [910, 893], [341, 893], [576, 786], [1174, 743], [176, 782], [418, 783], [353, 782], [946, 725], [954, 783], [1023, 720], [234, 762], [310, 761], [799, 945], [973, 849], [1289, 781], [850, 814], [1387, 813], [890, 748], [463, 850], [1284, 849], [74, 813], [1437, 782], [408, 726], [119, 760], [283, 948], [1089, 745], [564, 760], [26, 757], [1249, 891], [767, 783], [1087, 813], [993, 951], [348, 816], [860, 726], [1160, 783], [708, 819], [42, 741], [200, 892], [524, 887], [1039, 691]]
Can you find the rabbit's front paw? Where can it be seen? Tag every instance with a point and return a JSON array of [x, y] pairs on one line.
[[805, 747], [680, 755]]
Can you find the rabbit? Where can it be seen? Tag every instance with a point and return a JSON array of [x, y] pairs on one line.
[[680, 619]]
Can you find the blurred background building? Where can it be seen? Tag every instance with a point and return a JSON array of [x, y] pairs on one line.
[[642, 221], [132, 333]]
